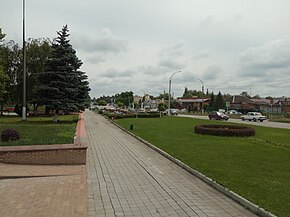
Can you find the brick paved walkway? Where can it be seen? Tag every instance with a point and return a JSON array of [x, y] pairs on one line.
[[42, 191], [126, 178]]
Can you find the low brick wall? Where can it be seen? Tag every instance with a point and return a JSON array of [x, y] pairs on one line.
[[60, 154]]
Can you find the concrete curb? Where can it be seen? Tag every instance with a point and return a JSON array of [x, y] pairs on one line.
[[80, 135], [239, 199]]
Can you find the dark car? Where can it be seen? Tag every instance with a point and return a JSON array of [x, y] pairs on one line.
[[218, 116]]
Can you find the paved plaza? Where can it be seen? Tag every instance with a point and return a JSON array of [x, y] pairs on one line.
[[42, 191], [123, 177], [127, 178]]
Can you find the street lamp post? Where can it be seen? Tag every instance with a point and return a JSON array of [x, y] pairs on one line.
[[202, 90], [24, 67], [169, 91], [202, 86]]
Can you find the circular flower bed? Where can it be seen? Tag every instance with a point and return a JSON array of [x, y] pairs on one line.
[[224, 130]]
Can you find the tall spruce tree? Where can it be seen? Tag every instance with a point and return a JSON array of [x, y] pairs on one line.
[[220, 102], [62, 85], [212, 102]]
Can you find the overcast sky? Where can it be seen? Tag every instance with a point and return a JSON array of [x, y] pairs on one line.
[[231, 45]]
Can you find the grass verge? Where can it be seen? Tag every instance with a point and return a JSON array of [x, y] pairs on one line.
[[257, 168], [40, 130]]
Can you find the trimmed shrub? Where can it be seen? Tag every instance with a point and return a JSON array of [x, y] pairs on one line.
[[138, 115], [119, 116], [225, 130], [9, 134], [148, 115]]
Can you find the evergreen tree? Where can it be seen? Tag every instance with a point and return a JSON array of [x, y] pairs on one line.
[[245, 94], [219, 102], [212, 102], [62, 85]]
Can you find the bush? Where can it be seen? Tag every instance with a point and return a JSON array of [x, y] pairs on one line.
[[225, 130], [139, 115], [119, 116], [10, 134], [148, 115]]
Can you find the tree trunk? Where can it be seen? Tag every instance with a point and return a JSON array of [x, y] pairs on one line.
[[35, 107], [55, 116], [47, 110], [2, 107]]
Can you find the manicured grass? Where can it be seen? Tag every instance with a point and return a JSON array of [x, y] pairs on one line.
[[281, 120], [258, 168], [40, 130]]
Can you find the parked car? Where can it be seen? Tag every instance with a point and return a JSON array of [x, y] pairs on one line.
[[142, 110], [233, 112], [254, 116], [154, 110], [172, 111], [218, 116]]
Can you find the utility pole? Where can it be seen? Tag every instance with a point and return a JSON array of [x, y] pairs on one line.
[[24, 67]]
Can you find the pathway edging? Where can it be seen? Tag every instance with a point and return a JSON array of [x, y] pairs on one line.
[[234, 196]]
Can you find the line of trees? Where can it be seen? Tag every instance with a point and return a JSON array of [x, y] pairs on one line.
[[54, 78], [216, 101], [122, 100]]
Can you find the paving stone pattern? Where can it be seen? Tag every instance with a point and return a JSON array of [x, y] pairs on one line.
[[43, 191], [126, 178]]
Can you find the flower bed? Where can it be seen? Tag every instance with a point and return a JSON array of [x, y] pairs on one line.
[[225, 130]]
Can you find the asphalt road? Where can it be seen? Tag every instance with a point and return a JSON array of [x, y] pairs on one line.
[[239, 121]]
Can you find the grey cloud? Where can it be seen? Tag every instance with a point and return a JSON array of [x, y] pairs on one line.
[[175, 50], [150, 70], [184, 76], [105, 87], [171, 64], [206, 22], [114, 73], [271, 57], [106, 42], [212, 73], [201, 55], [95, 59], [170, 56]]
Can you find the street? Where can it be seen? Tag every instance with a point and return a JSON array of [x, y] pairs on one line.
[[239, 121]]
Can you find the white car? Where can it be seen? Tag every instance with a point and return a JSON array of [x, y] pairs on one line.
[[254, 116], [141, 110], [172, 111], [233, 112]]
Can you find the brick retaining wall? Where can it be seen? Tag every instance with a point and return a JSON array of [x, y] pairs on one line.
[[65, 154]]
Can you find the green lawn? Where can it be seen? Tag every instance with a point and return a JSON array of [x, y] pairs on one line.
[[258, 168], [40, 130]]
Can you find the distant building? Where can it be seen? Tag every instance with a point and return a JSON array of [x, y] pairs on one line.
[[147, 102], [193, 104], [136, 99], [271, 105]]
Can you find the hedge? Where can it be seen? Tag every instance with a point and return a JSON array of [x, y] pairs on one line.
[[139, 115]]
